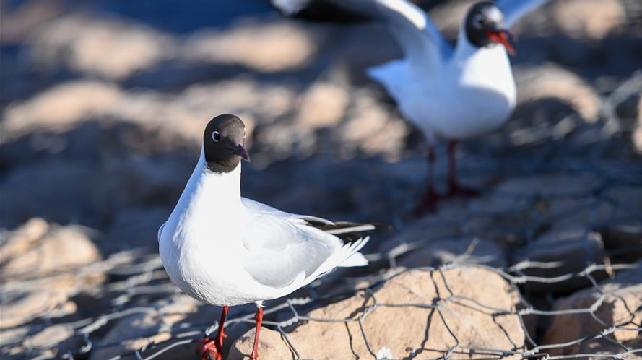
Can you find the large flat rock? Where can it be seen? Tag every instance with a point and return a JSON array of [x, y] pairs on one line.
[[420, 312]]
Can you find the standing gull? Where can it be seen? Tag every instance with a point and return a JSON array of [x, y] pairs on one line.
[[453, 93], [226, 250]]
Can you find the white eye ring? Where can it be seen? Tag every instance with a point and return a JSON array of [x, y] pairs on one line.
[[216, 136]]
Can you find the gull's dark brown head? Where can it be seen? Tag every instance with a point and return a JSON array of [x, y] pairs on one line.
[[485, 26], [224, 143]]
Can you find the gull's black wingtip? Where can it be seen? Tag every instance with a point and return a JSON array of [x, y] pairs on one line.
[[348, 231]]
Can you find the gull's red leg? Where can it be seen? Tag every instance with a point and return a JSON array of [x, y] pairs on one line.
[[206, 349], [209, 349], [429, 199], [259, 320], [221, 332], [454, 187]]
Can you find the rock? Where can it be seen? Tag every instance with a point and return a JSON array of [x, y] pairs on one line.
[[322, 105], [571, 249], [548, 185], [627, 201], [66, 192], [22, 305], [169, 118], [186, 113], [40, 269], [457, 250], [23, 238], [622, 240], [56, 337], [38, 249], [107, 47], [496, 204], [139, 182], [372, 129], [149, 329], [134, 227], [406, 330], [585, 211], [20, 21], [617, 302], [436, 240], [271, 346], [553, 82], [279, 141], [502, 218], [507, 231], [141, 328], [434, 228], [588, 19], [275, 46], [60, 108], [11, 341]]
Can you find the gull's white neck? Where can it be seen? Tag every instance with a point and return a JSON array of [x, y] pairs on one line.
[[222, 188], [465, 50], [486, 67], [207, 198]]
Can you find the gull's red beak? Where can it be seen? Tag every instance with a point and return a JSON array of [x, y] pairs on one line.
[[502, 37]]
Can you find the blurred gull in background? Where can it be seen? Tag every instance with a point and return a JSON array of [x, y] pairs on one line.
[[455, 93]]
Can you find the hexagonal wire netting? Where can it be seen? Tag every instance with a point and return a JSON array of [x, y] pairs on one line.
[[142, 276]]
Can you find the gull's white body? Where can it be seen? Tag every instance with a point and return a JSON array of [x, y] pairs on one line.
[[452, 93], [469, 93], [226, 250]]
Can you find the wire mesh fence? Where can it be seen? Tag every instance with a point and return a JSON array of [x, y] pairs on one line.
[[146, 279], [136, 285]]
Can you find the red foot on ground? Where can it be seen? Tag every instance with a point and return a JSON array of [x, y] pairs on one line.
[[207, 349]]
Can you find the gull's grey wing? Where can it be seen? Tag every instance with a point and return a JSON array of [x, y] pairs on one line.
[[345, 230], [284, 248], [513, 10], [419, 38], [280, 253], [256, 206], [415, 32]]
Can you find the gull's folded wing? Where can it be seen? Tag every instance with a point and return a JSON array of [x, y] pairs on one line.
[[284, 249]]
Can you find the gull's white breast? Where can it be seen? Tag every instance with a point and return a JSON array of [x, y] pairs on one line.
[[200, 245], [469, 97]]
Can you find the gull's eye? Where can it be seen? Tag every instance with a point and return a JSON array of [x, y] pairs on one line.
[[216, 136]]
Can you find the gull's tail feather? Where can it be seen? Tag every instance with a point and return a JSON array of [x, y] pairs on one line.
[[353, 237], [356, 259]]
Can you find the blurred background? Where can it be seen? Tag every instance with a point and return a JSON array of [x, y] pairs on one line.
[[103, 105]]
